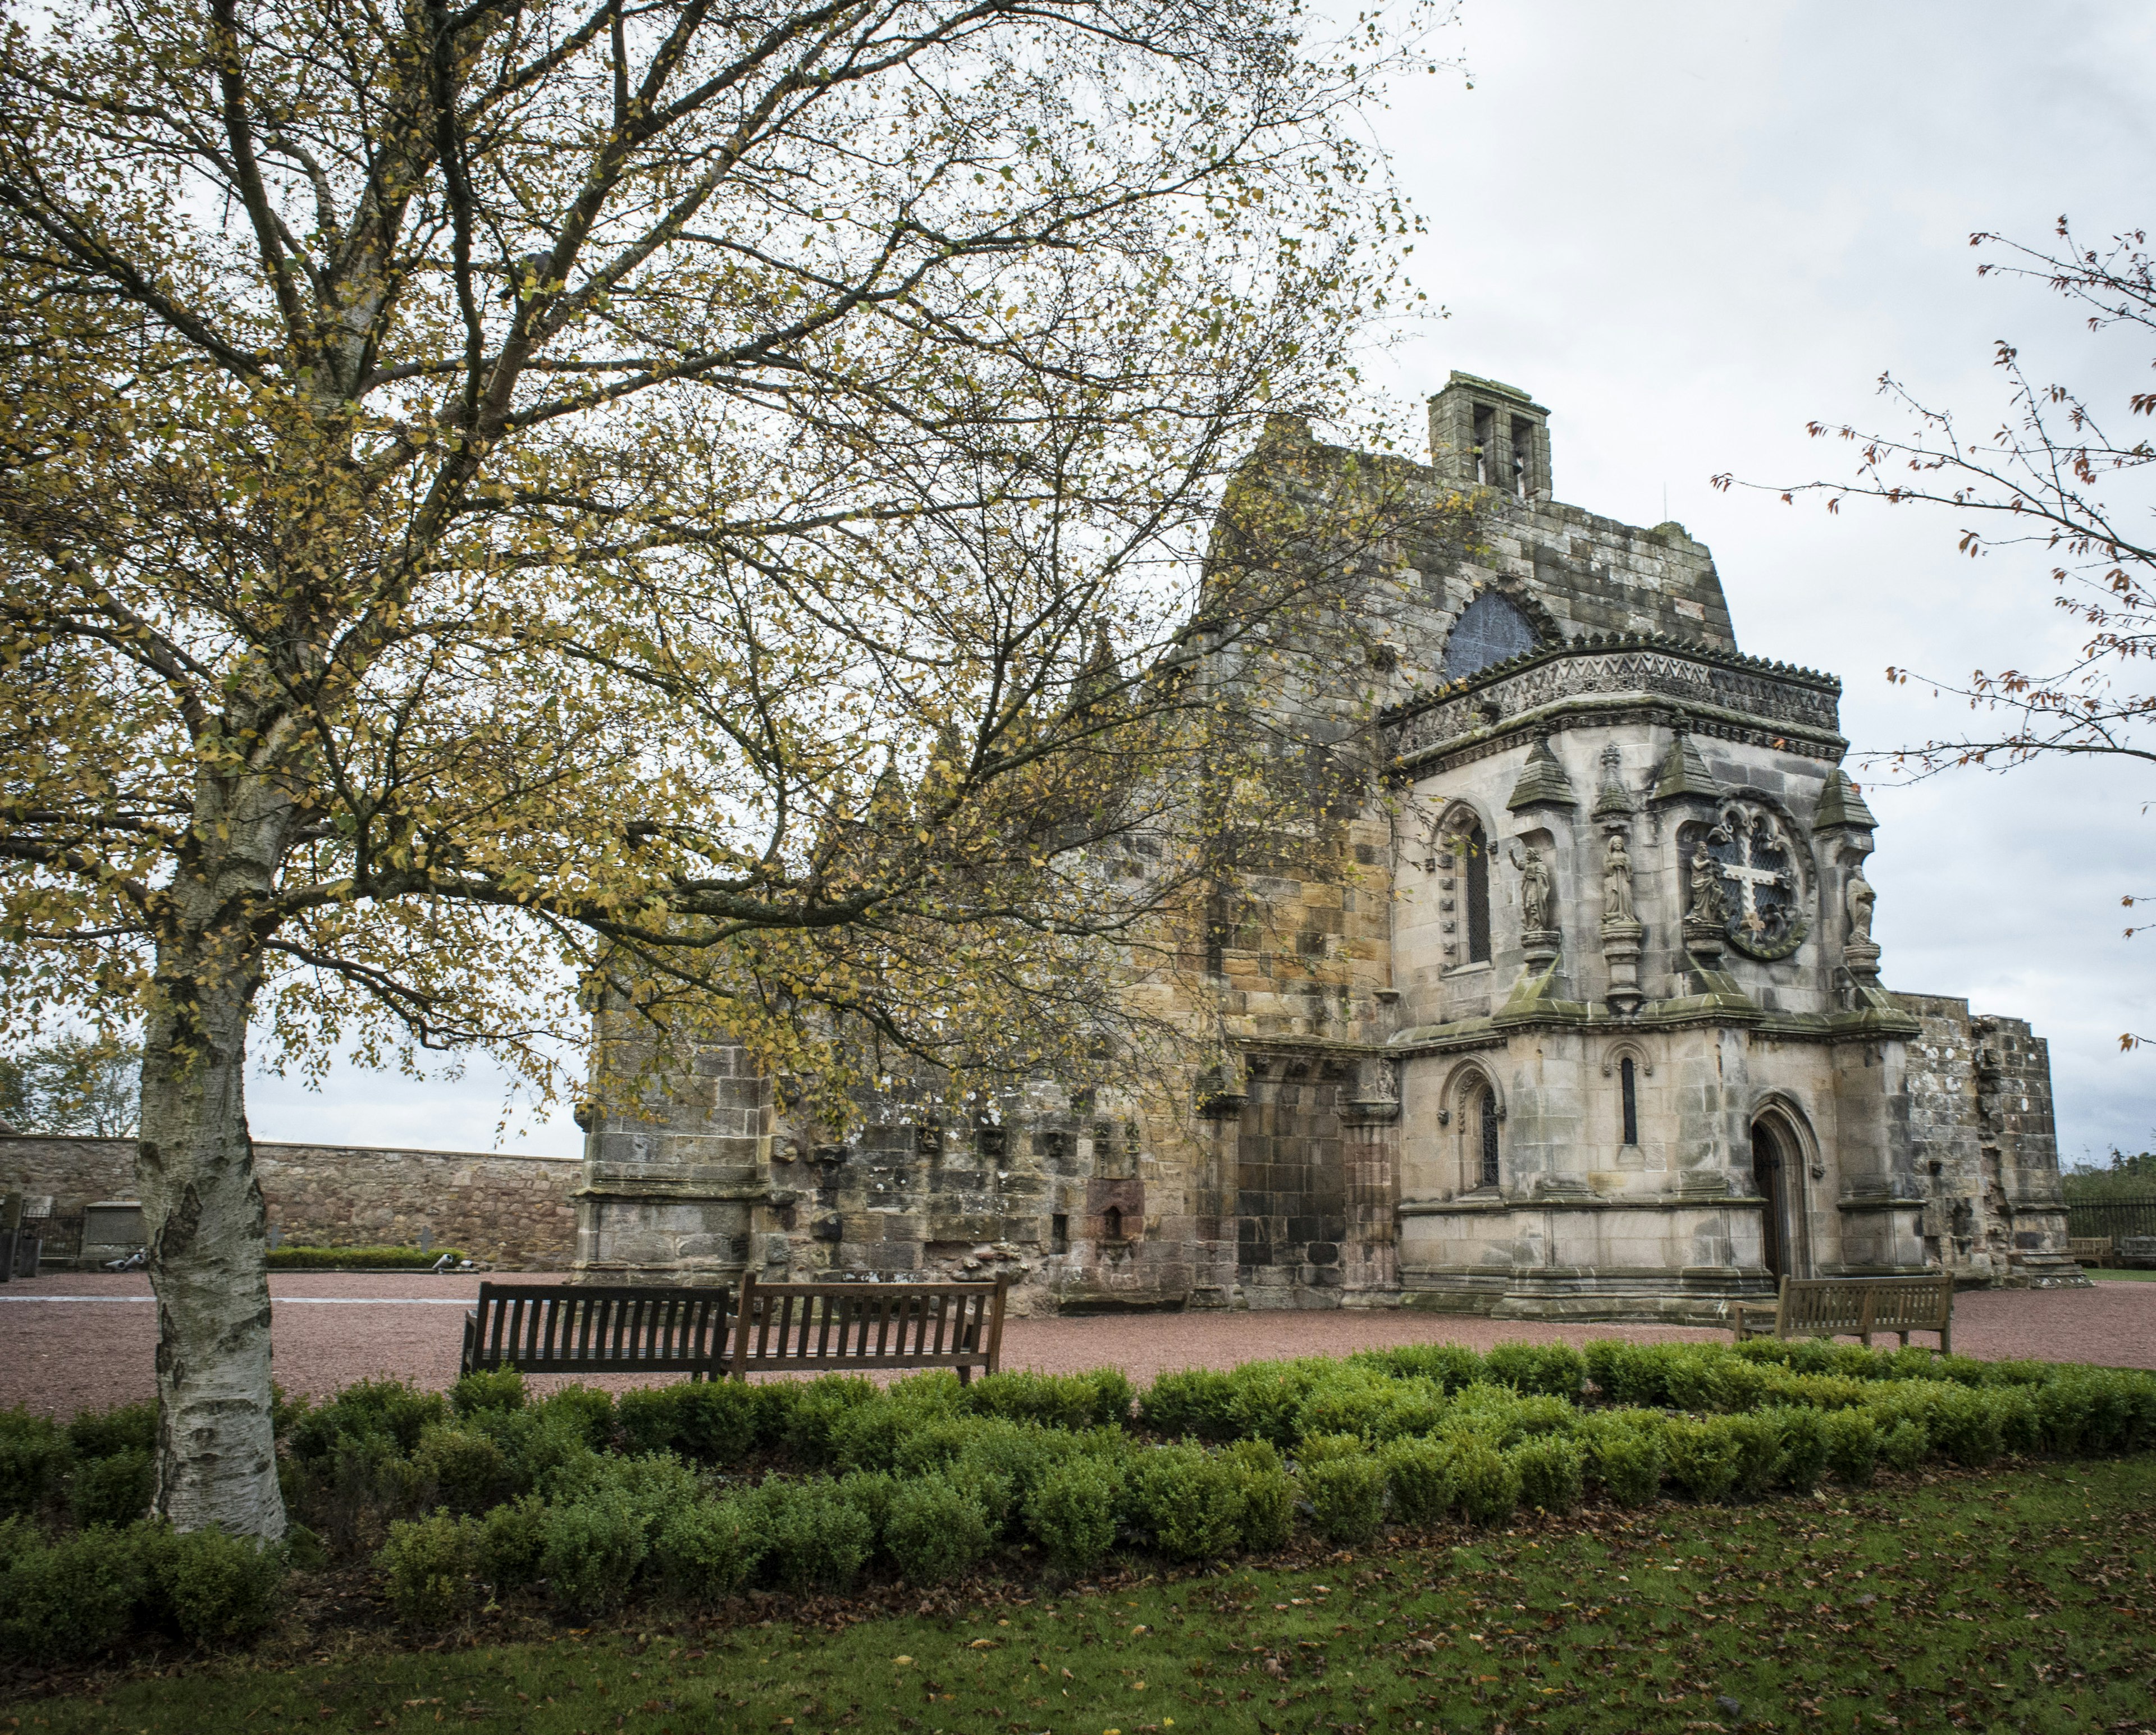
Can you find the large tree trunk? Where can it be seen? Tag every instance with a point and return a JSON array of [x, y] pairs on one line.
[[202, 1212]]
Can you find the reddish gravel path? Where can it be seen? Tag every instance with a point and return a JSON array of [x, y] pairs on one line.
[[59, 1356]]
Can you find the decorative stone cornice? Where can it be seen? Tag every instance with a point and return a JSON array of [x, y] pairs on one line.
[[1543, 689], [1721, 1003]]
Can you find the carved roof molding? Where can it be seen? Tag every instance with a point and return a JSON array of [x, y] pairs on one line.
[[1538, 689]]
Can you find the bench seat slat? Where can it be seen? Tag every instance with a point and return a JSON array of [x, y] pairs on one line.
[[865, 1362]]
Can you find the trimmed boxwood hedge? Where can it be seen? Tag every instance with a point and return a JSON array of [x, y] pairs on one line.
[[699, 1490], [293, 1258]]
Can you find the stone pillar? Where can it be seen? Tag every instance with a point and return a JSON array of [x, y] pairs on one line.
[[676, 1154], [2015, 1131], [1370, 1167], [1620, 952]]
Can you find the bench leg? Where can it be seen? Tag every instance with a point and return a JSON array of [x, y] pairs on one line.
[[965, 1376], [1946, 1340]]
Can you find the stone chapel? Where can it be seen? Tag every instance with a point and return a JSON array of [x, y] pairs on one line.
[[1595, 1027]]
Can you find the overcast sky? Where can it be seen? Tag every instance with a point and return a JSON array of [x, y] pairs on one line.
[[1688, 229]]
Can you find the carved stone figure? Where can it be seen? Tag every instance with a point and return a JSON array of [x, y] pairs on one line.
[[1616, 880], [1707, 907], [1860, 898], [1535, 892]]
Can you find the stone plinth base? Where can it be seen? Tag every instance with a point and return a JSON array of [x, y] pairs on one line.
[[1671, 1297], [2050, 1271], [625, 1238]]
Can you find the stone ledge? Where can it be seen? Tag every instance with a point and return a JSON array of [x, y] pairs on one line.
[[1650, 1202]]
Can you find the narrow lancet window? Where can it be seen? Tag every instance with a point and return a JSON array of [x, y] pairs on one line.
[[1630, 1085], [1476, 873], [1489, 1138], [1485, 441]]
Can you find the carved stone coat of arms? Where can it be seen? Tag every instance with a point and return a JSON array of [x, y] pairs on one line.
[[1765, 897]]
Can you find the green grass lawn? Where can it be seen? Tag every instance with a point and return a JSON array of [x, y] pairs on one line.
[[2120, 1277], [2018, 1600]]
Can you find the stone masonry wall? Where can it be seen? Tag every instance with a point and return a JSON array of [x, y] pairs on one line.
[[511, 1211], [1290, 1198], [1964, 1223], [1982, 1140], [74, 1172], [2017, 1137]]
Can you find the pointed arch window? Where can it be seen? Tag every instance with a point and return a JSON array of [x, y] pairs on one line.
[[1489, 1115], [1628, 1085], [1477, 888], [1470, 851], [1489, 630]]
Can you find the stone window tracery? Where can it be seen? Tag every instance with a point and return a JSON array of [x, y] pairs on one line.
[[1487, 1111], [1490, 629]]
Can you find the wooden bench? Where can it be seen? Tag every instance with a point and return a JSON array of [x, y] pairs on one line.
[[1854, 1307], [778, 1328], [2096, 1250], [577, 1329], [782, 1327]]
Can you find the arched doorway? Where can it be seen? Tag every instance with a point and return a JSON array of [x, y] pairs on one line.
[[1778, 1173]]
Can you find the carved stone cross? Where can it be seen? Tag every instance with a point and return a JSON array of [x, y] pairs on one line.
[[1748, 880]]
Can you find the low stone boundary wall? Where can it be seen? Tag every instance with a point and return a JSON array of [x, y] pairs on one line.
[[512, 1211]]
